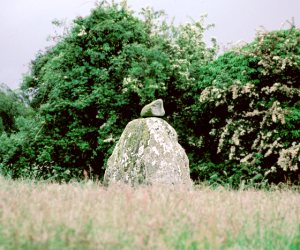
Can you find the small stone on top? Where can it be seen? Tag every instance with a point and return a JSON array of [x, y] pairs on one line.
[[153, 109]]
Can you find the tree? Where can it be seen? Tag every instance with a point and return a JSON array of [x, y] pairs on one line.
[[95, 80]]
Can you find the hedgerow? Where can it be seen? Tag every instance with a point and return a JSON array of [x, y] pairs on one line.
[[237, 115]]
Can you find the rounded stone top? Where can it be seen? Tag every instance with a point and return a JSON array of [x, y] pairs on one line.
[[153, 109]]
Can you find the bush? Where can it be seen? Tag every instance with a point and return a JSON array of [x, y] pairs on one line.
[[249, 124], [10, 107], [96, 79]]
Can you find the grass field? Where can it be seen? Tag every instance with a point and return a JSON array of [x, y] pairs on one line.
[[89, 216]]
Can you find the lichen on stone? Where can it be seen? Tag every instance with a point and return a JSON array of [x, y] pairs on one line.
[[153, 109], [148, 152]]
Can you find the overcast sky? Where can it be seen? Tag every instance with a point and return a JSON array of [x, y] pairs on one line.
[[26, 24]]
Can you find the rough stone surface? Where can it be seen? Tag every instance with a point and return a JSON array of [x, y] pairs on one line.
[[148, 152], [153, 109]]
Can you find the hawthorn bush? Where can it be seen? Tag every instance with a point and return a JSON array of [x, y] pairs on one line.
[[249, 114]]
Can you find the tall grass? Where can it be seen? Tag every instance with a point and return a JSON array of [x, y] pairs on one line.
[[89, 216]]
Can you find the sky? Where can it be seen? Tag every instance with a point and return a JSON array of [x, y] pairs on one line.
[[25, 25]]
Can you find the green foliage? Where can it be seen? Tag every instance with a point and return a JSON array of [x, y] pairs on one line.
[[250, 113], [13, 113], [79, 89], [10, 107], [237, 116], [87, 87]]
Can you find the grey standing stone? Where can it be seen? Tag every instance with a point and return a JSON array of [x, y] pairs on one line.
[[148, 152], [154, 109]]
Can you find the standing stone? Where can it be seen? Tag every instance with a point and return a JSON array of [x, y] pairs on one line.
[[148, 152], [154, 109]]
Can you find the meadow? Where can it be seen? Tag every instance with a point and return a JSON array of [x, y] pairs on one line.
[[89, 216]]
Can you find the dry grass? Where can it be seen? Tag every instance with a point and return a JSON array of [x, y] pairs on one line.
[[89, 216]]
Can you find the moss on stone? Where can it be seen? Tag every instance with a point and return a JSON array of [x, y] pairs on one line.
[[153, 109], [148, 152]]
